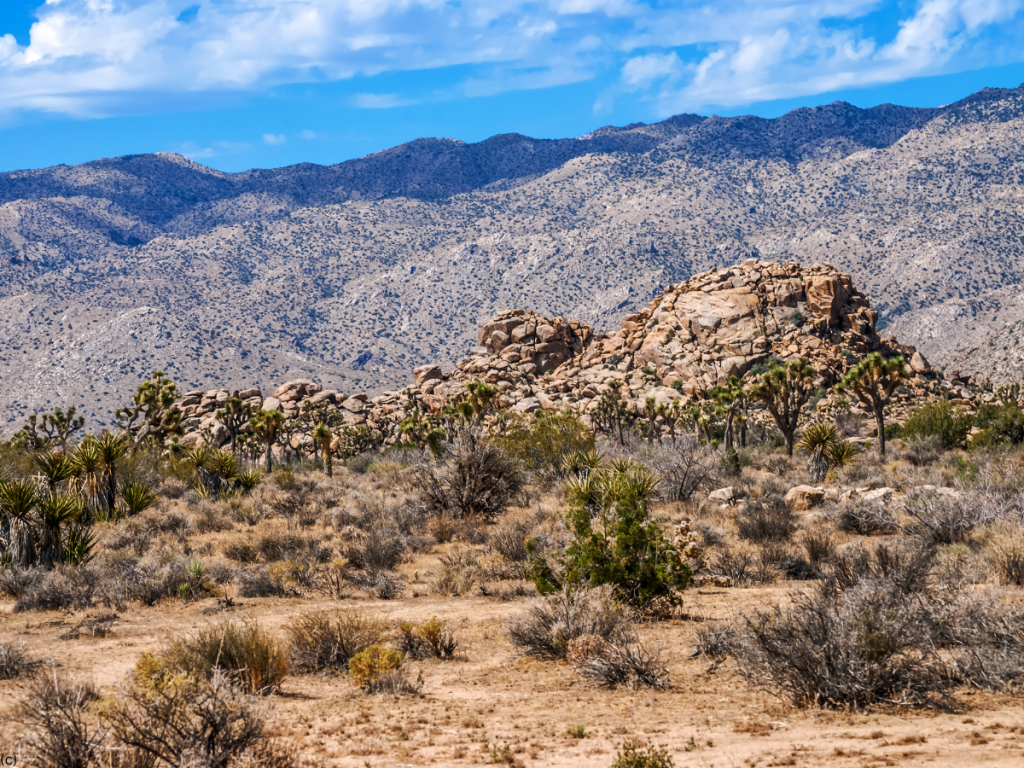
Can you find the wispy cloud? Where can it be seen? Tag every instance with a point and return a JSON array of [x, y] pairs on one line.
[[101, 57], [274, 139], [195, 151]]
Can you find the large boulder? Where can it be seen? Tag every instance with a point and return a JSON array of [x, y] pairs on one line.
[[826, 296]]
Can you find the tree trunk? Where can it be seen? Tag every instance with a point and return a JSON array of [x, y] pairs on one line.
[[789, 442], [270, 457], [328, 462], [880, 423], [111, 488]]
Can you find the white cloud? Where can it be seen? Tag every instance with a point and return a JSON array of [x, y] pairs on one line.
[[101, 57], [379, 101], [308, 135], [274, 139]]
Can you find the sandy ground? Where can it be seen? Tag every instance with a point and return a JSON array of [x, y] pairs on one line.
[[471, 708]]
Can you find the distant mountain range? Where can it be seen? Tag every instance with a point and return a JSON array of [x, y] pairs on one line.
[[353, 274]]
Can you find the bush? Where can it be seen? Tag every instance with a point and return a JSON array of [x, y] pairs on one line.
[[767, 519], [941, 420], [551, 623], [56, 717], [178, 721], [629, 550], [540, 441], [456, 574], [369, 665], [477, 480], [610, 665], [999, 424], [950, 519], [864, 517], [380, 549], [381, 584], [14, 662], [1007, 558], [508, 539], [324, 640], [244, 652], [66, 588], [430, 639], [636, 754]]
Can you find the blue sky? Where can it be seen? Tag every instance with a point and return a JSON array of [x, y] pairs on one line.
[[237, 84]]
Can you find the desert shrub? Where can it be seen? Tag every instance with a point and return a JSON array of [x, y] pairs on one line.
[[258, 582], [868, 518], [370, 664], [56, 717], [380, 549], [1007, 558], [326, 640], [941, 420], [685, 465], [950, 519], [384, 585], [743, 566], [628, 662], [179, 721], [432, 639], [14, 662], [922, 449], [549, 624], [245, 652], [508, 539], [477, 480], [766, 519], [636, 754], [540, 440], [712, 641], [905, 565], [456, 574], [245, 550], [66, 588], [819, 545], [628, 550], [864, 645], [999, 425]]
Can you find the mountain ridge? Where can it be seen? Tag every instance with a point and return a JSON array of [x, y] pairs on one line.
[[355, 272]]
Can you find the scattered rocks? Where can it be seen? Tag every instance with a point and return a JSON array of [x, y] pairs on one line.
[[801, 498]]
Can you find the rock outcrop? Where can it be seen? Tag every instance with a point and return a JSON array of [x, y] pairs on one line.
[[694, 336]]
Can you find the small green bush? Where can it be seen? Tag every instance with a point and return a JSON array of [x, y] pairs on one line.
[[939, 419], [540, 441], [370, 665], [999, 425], [638, 755]]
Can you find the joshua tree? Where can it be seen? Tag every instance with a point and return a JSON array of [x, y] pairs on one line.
[[784, 390], [233, 416], [729, 398], [152, 412], [266, 425], [323, 436], [53, 428], [873, 380], [112, 448], [612, 414]]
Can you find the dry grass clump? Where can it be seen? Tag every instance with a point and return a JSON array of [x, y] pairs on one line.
[[1007, 557], [59, 731], [456, 574], [379, 670], [323, 640], [951, 519], [867, 518], [626, 662], [245, 652], [14, 662], [766, 519], [549, 624], [432, 639]]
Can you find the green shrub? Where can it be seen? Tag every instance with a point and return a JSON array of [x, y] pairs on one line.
[[637, 755], [999, 425], [939, 419], [541, 440], [628, 550]]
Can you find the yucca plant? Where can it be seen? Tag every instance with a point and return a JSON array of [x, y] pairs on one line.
[[79, 546], [819, 434], [224, 463], [137, 497], [112, 449], [248, 479], [843, 454], [18, 499], [55, 510], [55, 467], [88, 469]]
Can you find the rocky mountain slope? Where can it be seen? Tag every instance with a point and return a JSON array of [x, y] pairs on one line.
[[353, 274]]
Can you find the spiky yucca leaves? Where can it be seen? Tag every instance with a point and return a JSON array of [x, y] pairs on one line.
[[225, 464], [614, 541], [112, 449], [821, 439], [843, 454], [55, 467], [79, 546], [18, 499], [248, 479], [137, 497], [88, 470], [55, 510], [819, 434], [579, 462]]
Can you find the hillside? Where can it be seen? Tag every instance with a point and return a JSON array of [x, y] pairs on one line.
[[351, 275]]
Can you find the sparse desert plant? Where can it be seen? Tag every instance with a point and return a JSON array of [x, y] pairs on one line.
[[868, 518], [244, 651], [627, 662], [637, 754], [1007, 558], [58, 726], [766, 519], [539, 441], [323, 640], [940, 420], [367, 666], [384, 585], [476, 480], [456, 574], [433, 638], [947, 519], [14, 662], [380, 549], [549, 624], [170, 720]]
